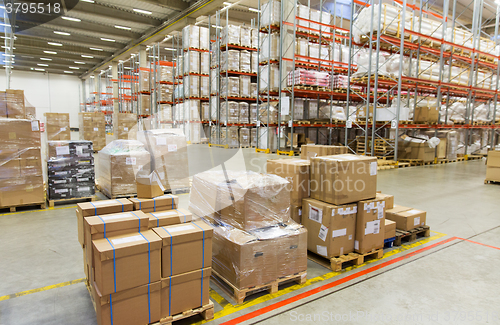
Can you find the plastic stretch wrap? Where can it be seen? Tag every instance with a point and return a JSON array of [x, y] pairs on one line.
[[389, 22], [244, 113], [245, 61], [223, 131], [303, 12], [230, 87], [426, 70], [270, 14], [57, 126], [230, 35], [204, 87], [70, 167], [232, 111], [12, 104], [314, 15], [326, 18], [213, 81], [191, 86], [364, 67], [429, 27], [166, 93], [245, 82], [119, 163], [145, 105], [204, 63], [264, 75], [245, 200], [230, 60], [192, 62], [458, 75], [255, 38], [305, 77], [195, 132], [232, 136], [213, 60], [324, 109], [179, 91], [194, 109], [166, 73], [253, 113], [245, 36], [269, 51], [125, 126], [301, 48], [465, 38], [312, 109], [273, 113], [253, 137], [169, 158], [245, 137], [213, 108], [191, 37], [92, 128], [298, 109], [165, 113], [204, 38], [254, 63], [451, 142], [144, 80], [253, 90], [179, 66], [248, 259], [340, 81], [205, 111]]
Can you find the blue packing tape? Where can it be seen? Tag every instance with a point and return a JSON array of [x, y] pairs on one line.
[[123, 208], [140, 205], [149, 265], [182, 214], [157, 220], [170, 296], [111, 308], [104, 223], [114, 261], [171, 257], [95, 208], [138, 219], [201, 293]]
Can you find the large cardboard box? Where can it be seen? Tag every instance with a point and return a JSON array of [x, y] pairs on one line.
[[493, 174], [343, 179], [125, 126], [169, 217], [15, 104], [185, 291], [139, 305], [493, 159], [296, 213], [426, 114], [330, 228], [407, 220], [296, 171], [422, 151], [390, 229], [291, 253], [309, 151], [388, 199], [92, 127], [3, 105], [149, 186], [370, 226], [57, 126], [186, 247], [159, 203], [127, 261], [19, 191]]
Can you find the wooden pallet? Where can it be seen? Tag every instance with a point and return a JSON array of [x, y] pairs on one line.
[[66, 201], [338, 263], [460, 158], [474, 157], [239, 295], [119, 196], [13, 208], [206, 312], [411, 235], [414, 162], [486, 181], [302, 122], [402, 165]]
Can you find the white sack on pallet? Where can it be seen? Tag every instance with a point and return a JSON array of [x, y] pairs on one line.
[[269, 49], [191, 37], [245, 36], [245, 61], [365, 66], [204, 38], [270, 13]]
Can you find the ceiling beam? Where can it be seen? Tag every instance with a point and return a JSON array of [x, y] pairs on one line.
[[53, 71], [34, 43], [178, 5], [27, 53], [76, 40]]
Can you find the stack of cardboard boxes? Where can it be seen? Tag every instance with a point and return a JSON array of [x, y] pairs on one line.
[[125, 126], [415, 148], [70, 166], [21, 180], [57, 126], [143, 267], [12, 104], [93, 128], [255, 242], [493, 166], [311, 150]]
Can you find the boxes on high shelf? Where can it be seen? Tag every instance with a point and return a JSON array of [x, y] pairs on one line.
[[145, 105], [245, 200], [230, 35], [144, 84], [191, 62], [244, 112], [370, 226], [93, 128], [342, 179], [309, 151], [408, 219], [245, 36], [493, 166], [296, 171], [426, 114], [191, 37], [119, 163], [168, 149], [126, 125], [245, 137], [159, 203], [57, 126]]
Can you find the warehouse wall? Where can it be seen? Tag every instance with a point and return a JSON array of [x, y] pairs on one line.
[[48, 92]]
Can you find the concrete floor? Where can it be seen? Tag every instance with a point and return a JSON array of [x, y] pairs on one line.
[[437, 282]]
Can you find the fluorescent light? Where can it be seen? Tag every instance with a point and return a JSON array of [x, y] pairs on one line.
[[8, 48], [89, 1], [146, 12], [7, 37], [96, 49], [45, 59], [87, 56], [169, 49], [253, 9], [75, 68], [68, 71], [38, 69], [79, 62], [61, 33], [50, 52], [42, 65], [91, 77], [220, 27], [5, 54], [2, 24], [228, 3], [107, 39], [71, 18], [54, 44], [128, 68], [122, 27], [7, 61]]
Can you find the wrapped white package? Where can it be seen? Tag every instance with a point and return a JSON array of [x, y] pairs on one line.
[[191, 37]]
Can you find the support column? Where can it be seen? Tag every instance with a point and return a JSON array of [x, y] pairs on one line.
[[97, 90], [116, 104]]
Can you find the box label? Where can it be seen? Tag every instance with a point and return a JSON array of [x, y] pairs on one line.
[[164, 214], [62, 190], [181, 228], [416, 221], [350, 237], [373, 168], [126, 240], [172, 147], [323, 231], [339, 232], [300, 212], [380, 212], [321, 250], [356, 244], [161, 141], [372, 227], [125, 129], [130, 161], [413, 211], [64, 150], [96, 129], [316, 214], [84, 189], [34, 126], [79, 150]]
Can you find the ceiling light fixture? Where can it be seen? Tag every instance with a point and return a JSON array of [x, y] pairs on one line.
[[146, 12], [8, 48], [75, 68], [107, 39], [45, 59], [42, 65], [79, 62], [123, 27], [50, 52], [68, 71], [96, 49], [38, 69], [54, 44], [71, 19], [169, 49], [61, 33], [89, 1], [87, 56], [253, 9]]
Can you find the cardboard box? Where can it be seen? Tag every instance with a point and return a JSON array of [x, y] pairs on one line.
[[291, 253], [185, 291], [296, 213], [388, 199], [309, 151], [149, 186], [3, 105], [169, 217], [426, 114], [160, 203], [139, 305], [343, 179], [370, 226], [15, 104], [88, 209], [407, 220], [296, 171], [390, 228], [493, 174], [20, 191], [422, 151], [330, 228], [126, 261], [493, 159], [186, 247], [397, 208]]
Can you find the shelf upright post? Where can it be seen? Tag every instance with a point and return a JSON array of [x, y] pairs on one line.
[[210, 74], [497, 81], [227, 75], [257, 101], [441, 66], [349, 72], [401, 56]]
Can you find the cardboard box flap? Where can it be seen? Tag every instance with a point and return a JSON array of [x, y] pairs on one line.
[[127, 294], [185, 277], [182, 215], [126, 245], [398, 209], [104, 207], [184, 232], [134, 220], [164, 200], [411, 213]]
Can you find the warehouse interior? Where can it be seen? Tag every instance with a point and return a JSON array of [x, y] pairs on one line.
[[240, 162]]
